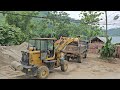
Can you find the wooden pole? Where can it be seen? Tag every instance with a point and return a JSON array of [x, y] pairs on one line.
[[106, 25]]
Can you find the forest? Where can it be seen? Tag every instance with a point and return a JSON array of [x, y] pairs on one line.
[[17, 27]]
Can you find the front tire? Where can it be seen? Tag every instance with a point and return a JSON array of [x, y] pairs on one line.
[[64, 66], [43, 72]]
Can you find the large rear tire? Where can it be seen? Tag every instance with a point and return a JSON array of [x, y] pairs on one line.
[[43, 72], [64, 66]]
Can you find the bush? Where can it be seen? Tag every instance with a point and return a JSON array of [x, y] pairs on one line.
[[107, 50], [11, 35]]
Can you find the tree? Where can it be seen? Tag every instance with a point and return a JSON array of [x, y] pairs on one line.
[[90, 23], [10, 35], [22, 20], [58, 22], [53, 25]]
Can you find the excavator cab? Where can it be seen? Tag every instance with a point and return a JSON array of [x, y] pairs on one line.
[[44, 45]]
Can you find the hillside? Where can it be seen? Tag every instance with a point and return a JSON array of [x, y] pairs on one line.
[[111, 32], [114, 32], [45, 13], [41, 14]]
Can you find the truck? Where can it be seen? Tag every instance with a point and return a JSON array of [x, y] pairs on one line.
[[73, 48]]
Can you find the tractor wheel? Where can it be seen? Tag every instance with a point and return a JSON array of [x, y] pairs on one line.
[[43, 72], [79, 59], [64, 66]]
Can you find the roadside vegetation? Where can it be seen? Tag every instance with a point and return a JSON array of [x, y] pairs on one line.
[[19, 26]]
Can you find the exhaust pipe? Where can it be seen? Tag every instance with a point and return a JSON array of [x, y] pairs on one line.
[[16, 66]]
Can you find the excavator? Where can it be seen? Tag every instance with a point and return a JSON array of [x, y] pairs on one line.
[[45, 54]]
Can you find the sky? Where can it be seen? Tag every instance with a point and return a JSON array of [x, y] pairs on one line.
[[110, 14]]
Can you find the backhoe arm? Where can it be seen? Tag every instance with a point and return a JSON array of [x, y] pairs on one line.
[[64, 41]]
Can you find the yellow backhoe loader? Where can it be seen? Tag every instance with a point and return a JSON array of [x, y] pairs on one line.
[[45, 54], [40, 58]]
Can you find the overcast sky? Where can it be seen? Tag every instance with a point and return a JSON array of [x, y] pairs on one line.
[[110, 14]]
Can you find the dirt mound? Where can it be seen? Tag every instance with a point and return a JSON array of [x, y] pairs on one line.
[[11, 53]]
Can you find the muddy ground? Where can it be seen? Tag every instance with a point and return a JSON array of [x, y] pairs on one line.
[[91, 68]]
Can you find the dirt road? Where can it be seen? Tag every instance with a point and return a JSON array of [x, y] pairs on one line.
[[90, 68]]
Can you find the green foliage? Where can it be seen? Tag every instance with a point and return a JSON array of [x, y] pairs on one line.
[[107, 50], [90, 17], [10, 35], [22, 20], [58, 22], [42, 29], [90, 23], [2, 19], [54, 25]]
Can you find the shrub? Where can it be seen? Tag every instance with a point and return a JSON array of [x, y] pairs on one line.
[[11, 35], [107, 50]]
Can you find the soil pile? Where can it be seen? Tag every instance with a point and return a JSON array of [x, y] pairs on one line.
[[11, 53]]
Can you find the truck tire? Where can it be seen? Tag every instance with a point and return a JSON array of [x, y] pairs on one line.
[[42, 72], [79, 59], [64, 66]]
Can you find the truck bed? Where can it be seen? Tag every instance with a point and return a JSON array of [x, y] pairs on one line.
[[72, 49]]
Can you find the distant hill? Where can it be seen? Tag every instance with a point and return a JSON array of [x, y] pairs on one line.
[[41, 14], [111, 32], [74, 21], [45, 13], [114, 32]]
